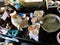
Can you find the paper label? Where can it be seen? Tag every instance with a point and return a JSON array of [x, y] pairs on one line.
[[5, 15], [35, 37]]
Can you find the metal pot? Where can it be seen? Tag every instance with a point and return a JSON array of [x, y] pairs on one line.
[[58, 9], [51, 23]]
